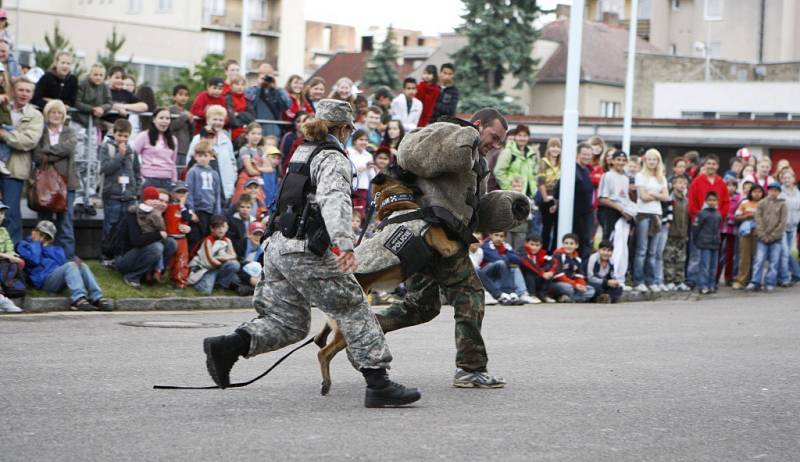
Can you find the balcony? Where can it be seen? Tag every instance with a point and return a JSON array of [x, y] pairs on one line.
[[262, 27]]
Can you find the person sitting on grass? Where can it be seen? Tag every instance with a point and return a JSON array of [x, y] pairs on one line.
[[570, 284], [47, 269], [600, 272], [251, 254], [215, 263]]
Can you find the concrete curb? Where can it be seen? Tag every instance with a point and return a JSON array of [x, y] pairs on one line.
[[47, 304]]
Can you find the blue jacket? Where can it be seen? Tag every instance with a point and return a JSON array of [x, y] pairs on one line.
[[491, 254], [205, 189], [40, 260], [705, 229], [584, 191]]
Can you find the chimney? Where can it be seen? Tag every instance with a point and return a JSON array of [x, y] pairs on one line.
[[562, 11], [611, 19]]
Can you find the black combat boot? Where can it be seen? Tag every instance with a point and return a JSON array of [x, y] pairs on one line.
[[222, 352], [382, 392]]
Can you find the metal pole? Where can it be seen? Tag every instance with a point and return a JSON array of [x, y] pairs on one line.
[[245, 35], [629, 77], [708, 52], [570, 121]]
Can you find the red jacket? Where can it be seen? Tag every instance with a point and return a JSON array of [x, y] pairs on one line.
[[539, 262], [428, 93], [288, 115], [239, 105], [697, 194], [173, 218], [201, 102], [567, 267]]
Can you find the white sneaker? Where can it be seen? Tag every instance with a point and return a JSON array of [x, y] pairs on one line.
[[488, 299], [504, 299], [655, 288], [671, 286], [3, 169], [7, 306], [682, 287], [550, 300], [641, 288], [664, 288], [627, 288], [529, 299], [514, 297]]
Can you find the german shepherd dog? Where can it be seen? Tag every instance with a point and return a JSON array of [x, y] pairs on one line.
[[392, 182]]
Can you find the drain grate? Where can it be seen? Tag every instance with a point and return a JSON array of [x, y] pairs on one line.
[[173, 324]]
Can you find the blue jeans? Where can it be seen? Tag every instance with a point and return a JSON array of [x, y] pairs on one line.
[[113, 212], [519, 282], [707, 274], [692, 263], [136, 262], [65, 235], [563, 288], [771, 255], [644, 260], [12, 194], [501, 279], [658, 260], [79, 280], [536, 223], [790, 268], [225, 276]]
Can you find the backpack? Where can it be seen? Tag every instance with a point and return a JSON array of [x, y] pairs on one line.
[[12, 280], [114, 244]]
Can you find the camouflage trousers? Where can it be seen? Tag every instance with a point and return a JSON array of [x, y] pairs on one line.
[[675, 261], [294, 278], [462, 288]]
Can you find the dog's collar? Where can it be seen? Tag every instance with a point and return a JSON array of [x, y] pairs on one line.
[[402, 197]]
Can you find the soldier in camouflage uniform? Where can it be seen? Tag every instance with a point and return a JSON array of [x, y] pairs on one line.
[[294, 277], [454, 275]]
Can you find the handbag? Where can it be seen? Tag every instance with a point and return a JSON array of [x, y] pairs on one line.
[[47, 189]]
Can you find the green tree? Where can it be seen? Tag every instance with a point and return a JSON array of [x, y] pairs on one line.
[[196, 79], [500, 37], [382, 65], [58, 42], [113, 45]]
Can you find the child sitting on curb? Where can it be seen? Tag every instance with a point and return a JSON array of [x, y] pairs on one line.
[[8, 256], [600, 272], [570, 284], [48, 269], [536, 268], [215, 263]]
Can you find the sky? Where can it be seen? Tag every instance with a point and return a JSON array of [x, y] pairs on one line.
[[430, 16]]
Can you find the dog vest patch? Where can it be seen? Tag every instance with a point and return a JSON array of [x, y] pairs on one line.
[[398, 239]]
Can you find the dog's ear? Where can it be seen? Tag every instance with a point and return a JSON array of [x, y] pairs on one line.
[[402, 174], [379, 179]]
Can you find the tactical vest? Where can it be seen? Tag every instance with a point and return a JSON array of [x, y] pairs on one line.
[[295, 216]]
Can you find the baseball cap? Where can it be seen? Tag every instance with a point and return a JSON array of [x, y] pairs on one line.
[[252, 181], [47, 227], [216, 82], [334, 110], [744, 153], [217, 220], [3, 13], [150, 193], [619, 153], [775, 185], [3, 206], [178, 186], [257, 227], [273, 151]]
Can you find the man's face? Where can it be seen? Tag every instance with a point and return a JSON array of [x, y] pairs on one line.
[[383, 101], [215, 91], [116, 81], [491, 136], [23, 92], [711, 166], [97, 75], [569, 244], [181, 98], [605, 253], [497, 238], [410, 90], [265, 70], [585, 156], [372, 120], [446, 76]]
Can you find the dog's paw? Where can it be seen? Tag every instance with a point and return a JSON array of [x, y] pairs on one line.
[[326, 387]]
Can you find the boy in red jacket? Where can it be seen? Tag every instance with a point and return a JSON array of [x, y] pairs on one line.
[[536, 267], [570, 283], [177, 218], [211, 95]]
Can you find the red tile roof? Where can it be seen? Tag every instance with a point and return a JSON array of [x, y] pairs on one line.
[[352, 65], [603, 52]]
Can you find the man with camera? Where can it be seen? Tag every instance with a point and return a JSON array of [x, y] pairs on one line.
[[268, 101]]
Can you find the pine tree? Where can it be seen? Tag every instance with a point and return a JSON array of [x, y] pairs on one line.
[[113, 45], [44, 58], [382, 65], [196, 79], [500, 37]]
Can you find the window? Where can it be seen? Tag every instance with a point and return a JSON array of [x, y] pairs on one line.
[[713, 10], [326, 37], [214, 7], [258, 10], [256, 48], [134, 6], [153, 74], [215, 42], [610, 109], [164, 6]]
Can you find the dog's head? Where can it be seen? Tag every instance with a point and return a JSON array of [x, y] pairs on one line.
[[390, 184]]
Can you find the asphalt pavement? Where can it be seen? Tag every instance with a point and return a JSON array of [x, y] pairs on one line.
[[717, 379]]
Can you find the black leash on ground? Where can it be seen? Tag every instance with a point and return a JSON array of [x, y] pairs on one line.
[[240, 384]]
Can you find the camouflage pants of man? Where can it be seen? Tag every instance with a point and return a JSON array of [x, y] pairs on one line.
[[292, 280], [675, 261], [462, 289]]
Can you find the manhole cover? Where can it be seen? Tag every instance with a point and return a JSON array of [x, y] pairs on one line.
[[173, 324]]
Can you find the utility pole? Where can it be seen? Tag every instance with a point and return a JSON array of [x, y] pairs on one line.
[[570, 121], [629, 77]]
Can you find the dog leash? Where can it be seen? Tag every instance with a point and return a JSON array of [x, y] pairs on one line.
[[370, 211], [240, 384]]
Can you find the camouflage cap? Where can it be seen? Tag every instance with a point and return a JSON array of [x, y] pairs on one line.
[[47, 227], [334, 110]]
